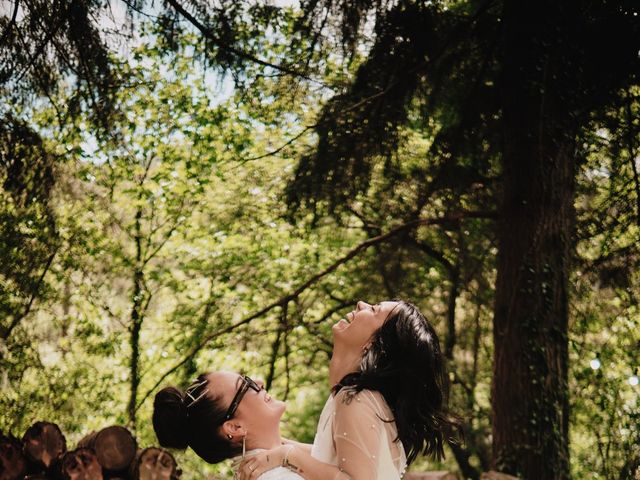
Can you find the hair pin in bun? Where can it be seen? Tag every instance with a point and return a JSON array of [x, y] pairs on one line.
[[188, 394]]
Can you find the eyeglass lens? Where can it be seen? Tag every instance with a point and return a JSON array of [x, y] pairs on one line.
[[247, 383]]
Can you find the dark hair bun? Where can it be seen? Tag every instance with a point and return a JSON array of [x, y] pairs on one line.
[[170, 418]]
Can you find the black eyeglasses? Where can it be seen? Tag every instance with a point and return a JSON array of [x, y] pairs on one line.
[[247, 384]]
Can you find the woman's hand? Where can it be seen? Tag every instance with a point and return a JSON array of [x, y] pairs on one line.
[[251, 468], [299, 445]]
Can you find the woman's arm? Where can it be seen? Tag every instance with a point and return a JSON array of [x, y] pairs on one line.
[[304, 446], [297, 459], [357, 433]]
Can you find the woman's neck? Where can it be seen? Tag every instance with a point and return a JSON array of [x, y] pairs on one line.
[[265, 440], [343, 362]]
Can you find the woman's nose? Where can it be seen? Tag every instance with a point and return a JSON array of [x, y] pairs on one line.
[[260, 383], [361, 305]]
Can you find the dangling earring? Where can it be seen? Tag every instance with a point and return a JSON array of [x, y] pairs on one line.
[[230, 437], [244, 438]]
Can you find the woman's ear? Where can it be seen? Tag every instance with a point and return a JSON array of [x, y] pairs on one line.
[[233, 429]]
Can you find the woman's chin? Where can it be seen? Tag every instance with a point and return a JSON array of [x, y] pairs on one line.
[[275, 404], [279, 407], [340, 326]]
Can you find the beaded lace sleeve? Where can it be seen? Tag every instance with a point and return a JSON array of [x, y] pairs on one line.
[[359, 431]]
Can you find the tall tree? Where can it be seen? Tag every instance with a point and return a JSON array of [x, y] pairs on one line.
[[550, 86], [530, 395], [545, 78]]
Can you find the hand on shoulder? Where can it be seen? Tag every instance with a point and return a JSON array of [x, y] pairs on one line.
[[252, 467]]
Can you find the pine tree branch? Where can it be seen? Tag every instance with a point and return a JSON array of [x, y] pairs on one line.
[[11, 23], [207, 32], [632, 154]]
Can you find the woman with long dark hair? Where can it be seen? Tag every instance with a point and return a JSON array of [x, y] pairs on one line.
[[388, 403]]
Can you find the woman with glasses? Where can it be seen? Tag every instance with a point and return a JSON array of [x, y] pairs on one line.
[[221, 415], [388, 402]]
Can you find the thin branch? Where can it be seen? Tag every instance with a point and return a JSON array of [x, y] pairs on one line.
[[371, 231], [207, 32], [283, 301], [159, 247], [45, 90], [309, 127], [285, 326], [275, 348], [11, 23], [156, 227], [130, 5], [282, 147], [632, 156], [317, 334], [330, 312], [450, 341], [40, 49], [477, 332], [34, 294], [433, 253], [199, 346]]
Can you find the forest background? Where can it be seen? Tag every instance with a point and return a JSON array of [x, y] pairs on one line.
[[192, 185]]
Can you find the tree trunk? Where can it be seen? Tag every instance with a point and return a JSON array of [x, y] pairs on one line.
[[80, 464], [529, 392], [115, 447], [154, 464], [13, 465], [462, 455], [43, 443], [137, 317]]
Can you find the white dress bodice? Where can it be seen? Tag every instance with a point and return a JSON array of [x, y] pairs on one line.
[[357, 433]]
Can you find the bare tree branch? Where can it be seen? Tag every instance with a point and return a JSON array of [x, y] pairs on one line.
[[433, 253], [275, 348], [280, 148], [285, 326], [330, 312], [283, 301]]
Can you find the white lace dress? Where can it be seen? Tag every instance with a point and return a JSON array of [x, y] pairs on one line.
[[354, 433]]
